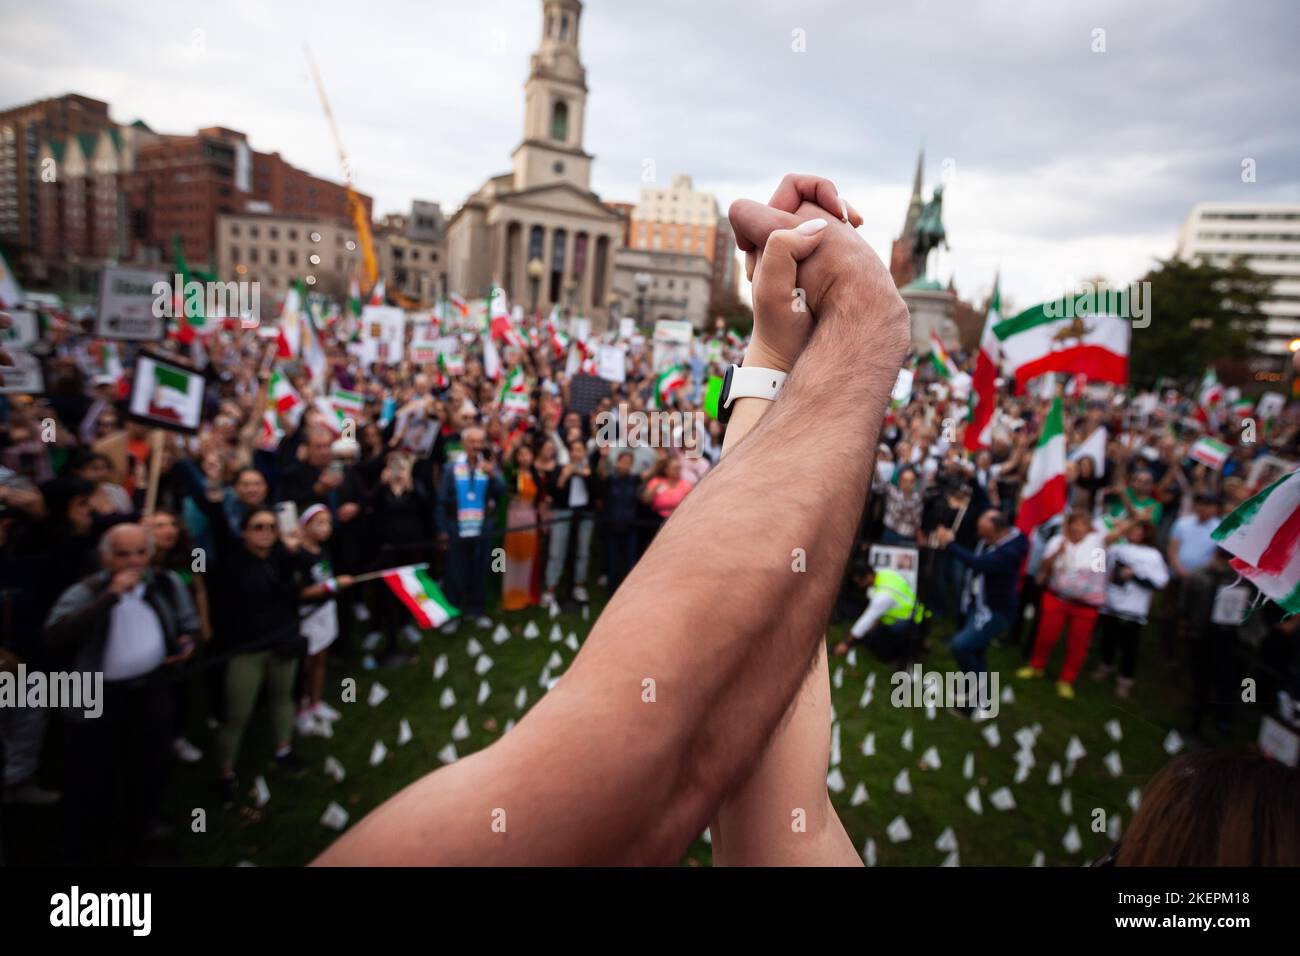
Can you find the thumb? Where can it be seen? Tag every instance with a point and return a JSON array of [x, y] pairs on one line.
[[775, 277]]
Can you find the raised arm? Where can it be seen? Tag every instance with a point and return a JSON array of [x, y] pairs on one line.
[[658, 718]]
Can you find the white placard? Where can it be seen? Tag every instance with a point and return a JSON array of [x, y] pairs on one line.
[[898, 558], [128, 300], [383, 332], [25, 331], [25, 377], [626, 328], [611, 363], [166, 394], [672, 343]]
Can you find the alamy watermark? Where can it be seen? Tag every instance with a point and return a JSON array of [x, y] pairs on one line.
[[1089, 298], [917, 688], [196, 299], [63, 690], [655, 429]]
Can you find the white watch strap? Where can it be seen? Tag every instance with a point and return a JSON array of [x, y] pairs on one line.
[[751, 382]]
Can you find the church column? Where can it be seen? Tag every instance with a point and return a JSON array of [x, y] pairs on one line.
[[582, 298]]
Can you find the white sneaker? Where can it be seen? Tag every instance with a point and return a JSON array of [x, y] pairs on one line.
[[325, 711], [580, 594], [308, 725], [186, 751]]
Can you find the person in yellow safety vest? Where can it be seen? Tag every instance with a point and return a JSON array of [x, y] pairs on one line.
[[888, 626]]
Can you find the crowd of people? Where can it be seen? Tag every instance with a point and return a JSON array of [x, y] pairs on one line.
[[201, 573]]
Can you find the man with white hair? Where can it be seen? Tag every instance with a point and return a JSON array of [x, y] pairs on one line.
[[128, 622]]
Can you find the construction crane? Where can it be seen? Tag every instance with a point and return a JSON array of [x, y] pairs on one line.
[[360, 218]]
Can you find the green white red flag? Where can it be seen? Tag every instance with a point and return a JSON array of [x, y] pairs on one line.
[[1210, 452], [1072, 335], [943, 363], [349, 403], [983, 391], [1044, 493], [514, 393], [421, 595], [286, 401], [667, 382], [1263, 536]]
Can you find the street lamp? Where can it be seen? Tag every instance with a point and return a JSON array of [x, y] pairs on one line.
[[536, 268]]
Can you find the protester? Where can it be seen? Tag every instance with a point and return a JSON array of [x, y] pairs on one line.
[[1136, 571]]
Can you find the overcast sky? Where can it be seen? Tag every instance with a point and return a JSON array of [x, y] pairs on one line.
[[1059, 162]]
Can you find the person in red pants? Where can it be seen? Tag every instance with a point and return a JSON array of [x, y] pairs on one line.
[[1073, 576]]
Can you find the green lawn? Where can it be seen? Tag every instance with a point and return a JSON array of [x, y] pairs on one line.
[[287, 831]]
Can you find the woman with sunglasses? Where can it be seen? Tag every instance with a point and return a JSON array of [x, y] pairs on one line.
[[255, 597]]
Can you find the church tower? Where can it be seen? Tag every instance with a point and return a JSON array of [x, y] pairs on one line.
[[555, 101]]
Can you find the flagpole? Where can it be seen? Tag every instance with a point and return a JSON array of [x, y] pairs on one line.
[[372, 575], [155, 472]]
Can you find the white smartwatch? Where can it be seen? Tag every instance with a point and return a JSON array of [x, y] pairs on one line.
[[748, 382]]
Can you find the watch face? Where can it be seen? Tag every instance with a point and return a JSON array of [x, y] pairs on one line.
[[724, 410]]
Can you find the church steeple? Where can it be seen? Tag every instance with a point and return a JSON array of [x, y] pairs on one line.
[[555, 101], [916, 202]]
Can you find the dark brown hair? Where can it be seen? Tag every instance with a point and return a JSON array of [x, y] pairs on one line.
[[1217, 808]]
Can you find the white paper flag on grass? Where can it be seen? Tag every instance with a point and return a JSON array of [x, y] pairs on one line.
[[947, 841], [869, 745], [903, 782], [448, 754], [544, 680], [991, 735], [1066, 802], [1002, 799], [510, 725], [1040, 859], [555, 610], [869, 853], [1008, 695], [1114, 731], [852, 657], [835, 780], [404, 734], [261, 792], [860, 795], [1026, 738], [1071, 840], [930, 712], [361, 612], [930, 759], [571, 642], [371, 640], [482, 665], [898, 831], [973, 800], [1021, 774], [837, 679], [440, 667], [907, 739], [586, 613], [952, 859], [1134, 799], [835, 744], [335, 769], [334, 817], [968, 767], [412, 634], [378, 694], [871, 680], [501, 634], [531, 632], [521, 698], [1054, 775], [1074, 750], [554, 661], [1025, 758], [473, 648], [484, 691], [1173, 742], [865, 699], [461, 729], [448, 699], [557, 635], [1114, 764], [377, 753], [1113, 828]]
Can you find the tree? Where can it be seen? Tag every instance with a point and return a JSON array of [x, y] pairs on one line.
[[1198, 313], [729, 307]]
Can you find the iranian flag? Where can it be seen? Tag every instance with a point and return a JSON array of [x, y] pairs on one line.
[[1070, 335], [354, 296], [983, 393], [668, 381], [377, 294], [1210, 452], [421, 595], [943, 363], [289, 340], [285, 399], [170, 397], [459, 304], [1243, 407], [1043, 496], [1208, 396], [514, 393], [499, 324], [1263, 535], [350, 404]]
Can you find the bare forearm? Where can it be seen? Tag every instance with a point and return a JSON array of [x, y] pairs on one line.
[[662, 711]]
